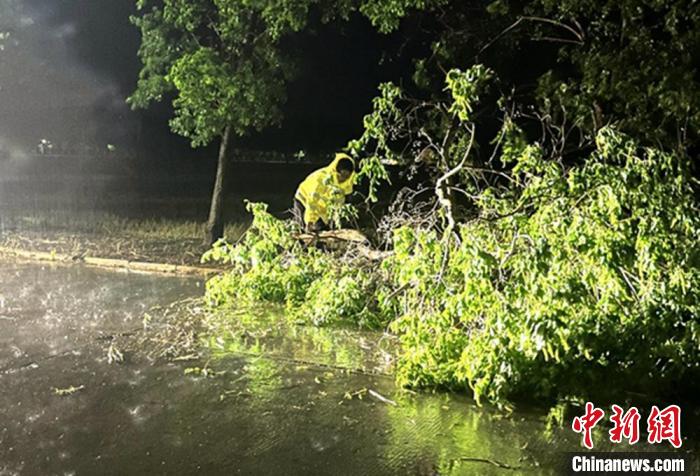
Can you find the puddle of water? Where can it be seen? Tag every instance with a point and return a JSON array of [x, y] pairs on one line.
[[283, 404], [267, 333]]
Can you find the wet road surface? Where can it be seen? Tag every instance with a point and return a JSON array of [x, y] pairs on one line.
[[299, 404]]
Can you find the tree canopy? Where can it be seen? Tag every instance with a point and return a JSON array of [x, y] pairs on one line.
[[631, 63], [222, 61]]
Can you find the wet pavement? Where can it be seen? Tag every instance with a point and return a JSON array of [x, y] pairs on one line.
[[292, 401]]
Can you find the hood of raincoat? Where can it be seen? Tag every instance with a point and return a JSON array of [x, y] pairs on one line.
[[346, 186]]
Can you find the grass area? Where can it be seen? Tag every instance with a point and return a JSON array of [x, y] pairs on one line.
[[110, 236]]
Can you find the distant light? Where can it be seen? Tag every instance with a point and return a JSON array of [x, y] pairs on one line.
[[45, 146]]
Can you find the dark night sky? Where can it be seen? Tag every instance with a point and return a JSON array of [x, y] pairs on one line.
[[74, 62]]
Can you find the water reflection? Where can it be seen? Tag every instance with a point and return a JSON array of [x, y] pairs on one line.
[[266, 332]]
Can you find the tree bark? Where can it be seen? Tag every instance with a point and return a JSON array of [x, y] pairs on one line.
[[215, 225]]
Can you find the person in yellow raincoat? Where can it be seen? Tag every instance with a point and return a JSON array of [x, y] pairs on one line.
[[322, 192]]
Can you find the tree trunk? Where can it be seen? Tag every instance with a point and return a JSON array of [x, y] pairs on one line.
[[215, 225]]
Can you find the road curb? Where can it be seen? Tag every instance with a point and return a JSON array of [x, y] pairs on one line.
[[135, 266]]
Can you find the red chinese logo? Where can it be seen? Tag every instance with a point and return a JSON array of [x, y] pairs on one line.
[[624, 425], [665, 425], [586, 423], [662, 425]]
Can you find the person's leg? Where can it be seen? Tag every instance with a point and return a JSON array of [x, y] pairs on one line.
[[298, 210], [316, 227]]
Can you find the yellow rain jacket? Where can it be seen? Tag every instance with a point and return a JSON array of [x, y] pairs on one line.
[[321, 192]]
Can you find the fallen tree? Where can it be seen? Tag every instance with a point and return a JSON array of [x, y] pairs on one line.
[[520, 275]]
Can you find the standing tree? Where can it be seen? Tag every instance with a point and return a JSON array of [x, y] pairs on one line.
[[220, 61]]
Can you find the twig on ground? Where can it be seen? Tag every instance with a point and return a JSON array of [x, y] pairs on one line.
[[382, 398]]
